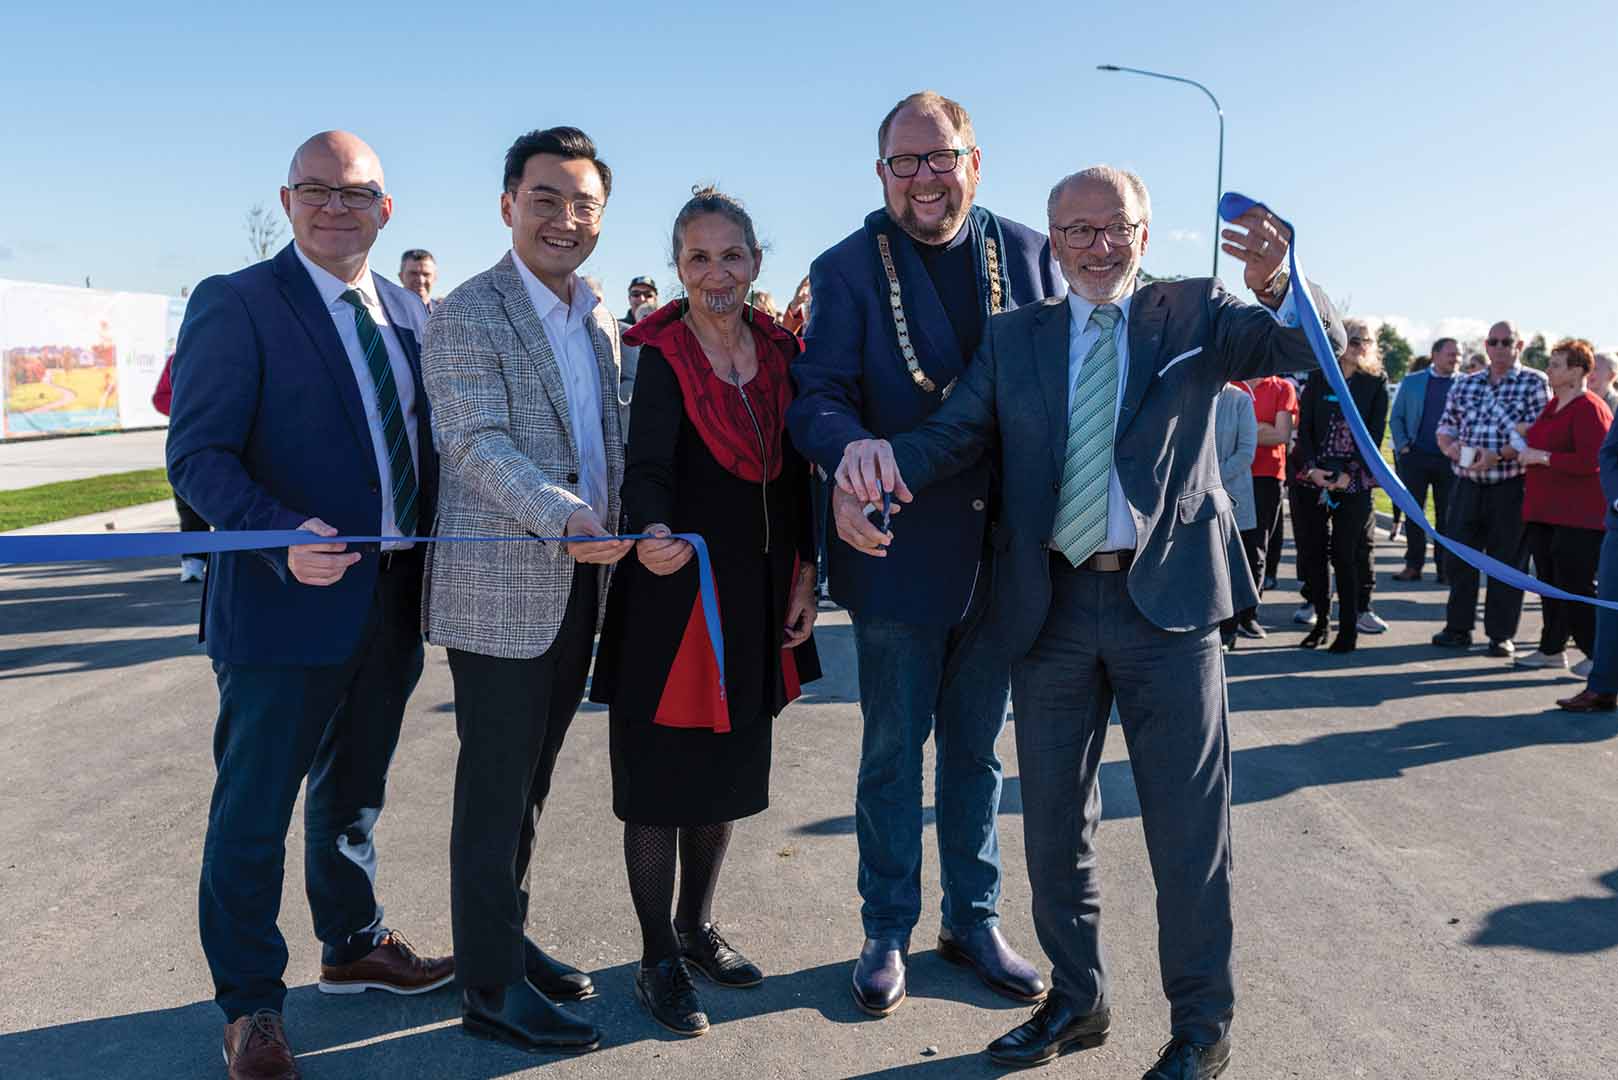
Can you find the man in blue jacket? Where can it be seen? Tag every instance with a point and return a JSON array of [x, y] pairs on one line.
[[1422, 465], [298, 404], [900, 306], [1600, 694]]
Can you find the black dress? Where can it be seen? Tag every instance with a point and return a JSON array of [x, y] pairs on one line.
[[653, 665]]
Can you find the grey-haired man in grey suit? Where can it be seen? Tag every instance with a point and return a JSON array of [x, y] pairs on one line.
[[523, 385], [1112, 573]]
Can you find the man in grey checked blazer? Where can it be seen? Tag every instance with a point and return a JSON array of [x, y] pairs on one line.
[[525, 402]]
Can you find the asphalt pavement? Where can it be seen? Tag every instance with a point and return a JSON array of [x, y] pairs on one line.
[[1427, 884]]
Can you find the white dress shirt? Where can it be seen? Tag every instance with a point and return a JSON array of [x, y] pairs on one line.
[[567, 328], [1121, 532], [344, 318]]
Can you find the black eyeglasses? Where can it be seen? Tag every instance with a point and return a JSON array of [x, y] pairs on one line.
[[904, 166], [1359, 341], [1500, 342], [642, 294], [1081, 236], [352, 198]]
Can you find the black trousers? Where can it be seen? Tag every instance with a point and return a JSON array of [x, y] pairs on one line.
[[1566, 556], [1277, 541], [1487, 517], [190, 521], [1331, 539], [1422, 472], [1260, 556], [511, 716], [338, 725]]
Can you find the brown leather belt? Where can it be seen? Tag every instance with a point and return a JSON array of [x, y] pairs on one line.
[[1102, 562]]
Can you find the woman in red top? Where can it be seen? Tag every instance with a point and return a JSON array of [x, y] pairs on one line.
[[1562, 502], [708, 454]]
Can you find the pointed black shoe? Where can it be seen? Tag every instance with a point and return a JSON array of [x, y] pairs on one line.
[[522, 1016], [986, 951], [1054, 1029], [1185, 1060], [879, 977], [1347, 639], [1316, 637], [712, 955], [551, 977], [670, 996]]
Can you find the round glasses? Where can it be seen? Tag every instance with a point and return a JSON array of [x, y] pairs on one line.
[[548, 204]]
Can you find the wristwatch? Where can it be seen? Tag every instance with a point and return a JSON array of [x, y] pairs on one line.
[[1275, 289]]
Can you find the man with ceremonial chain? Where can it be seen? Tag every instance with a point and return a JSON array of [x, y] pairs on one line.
[[900, 305]]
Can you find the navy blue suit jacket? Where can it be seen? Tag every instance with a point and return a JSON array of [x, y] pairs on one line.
[[853, 384], [267, 431], [1608, 458]]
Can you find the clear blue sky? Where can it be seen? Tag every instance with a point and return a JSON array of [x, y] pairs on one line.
[[1446, 164]]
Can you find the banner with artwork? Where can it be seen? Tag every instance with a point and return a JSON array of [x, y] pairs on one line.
[[75, 360]]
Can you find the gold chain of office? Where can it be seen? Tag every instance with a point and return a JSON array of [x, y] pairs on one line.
[[991, 253]]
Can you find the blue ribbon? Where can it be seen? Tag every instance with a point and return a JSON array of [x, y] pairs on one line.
[[1233, 206], [97, 547]]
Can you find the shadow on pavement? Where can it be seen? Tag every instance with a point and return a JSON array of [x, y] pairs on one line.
[[382, 1035], [1581, 924]]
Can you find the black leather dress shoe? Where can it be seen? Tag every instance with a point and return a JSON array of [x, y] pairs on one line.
[[522, 1016], [1185, 1060], [985, 951], [712, 955], [670, 996], [1056, 1028], [553, 978], [879, 977], [1453, 639]]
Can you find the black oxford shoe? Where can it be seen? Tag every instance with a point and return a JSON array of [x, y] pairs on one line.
[[1182, 1059], [553, 978], [986, 952], [668, 993], [712, 955], [879, 977], [1056, 1028], [522, 1016]]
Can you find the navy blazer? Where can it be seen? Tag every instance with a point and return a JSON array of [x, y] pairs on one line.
[[1187, 339], [1608, 459], [852, 383], [267, 431]]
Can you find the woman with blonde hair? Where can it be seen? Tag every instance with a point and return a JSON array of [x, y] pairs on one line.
[[1331, 500]]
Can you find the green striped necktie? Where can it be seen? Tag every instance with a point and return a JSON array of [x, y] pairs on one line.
[[401, 469], [1081, 513]]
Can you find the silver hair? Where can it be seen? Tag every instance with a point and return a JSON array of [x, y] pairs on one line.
[[1120, 180], [1607, 358]]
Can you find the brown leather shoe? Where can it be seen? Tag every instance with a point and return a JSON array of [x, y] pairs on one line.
[[1409, 573], [256, 1048], [1588, 700], [393, 965]]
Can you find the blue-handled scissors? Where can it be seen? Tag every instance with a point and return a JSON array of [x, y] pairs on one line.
[[887, 509]]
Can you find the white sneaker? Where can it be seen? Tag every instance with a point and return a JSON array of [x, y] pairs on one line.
[[192, 569], [1582, 668], [1370, 622], [1305, 615], [1537, 659]]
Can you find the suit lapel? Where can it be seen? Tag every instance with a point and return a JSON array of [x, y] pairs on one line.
[[1051, 360], [1148, 314], [299, 291], [531, 332]]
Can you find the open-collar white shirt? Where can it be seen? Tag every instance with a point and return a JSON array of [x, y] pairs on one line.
[[567, 328]]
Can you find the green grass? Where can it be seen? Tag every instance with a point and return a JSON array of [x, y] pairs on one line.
[[70, 498]]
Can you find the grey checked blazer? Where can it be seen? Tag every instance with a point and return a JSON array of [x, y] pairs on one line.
[[508, 467]]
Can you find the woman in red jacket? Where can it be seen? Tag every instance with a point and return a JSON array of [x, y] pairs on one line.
[[1562, 502]]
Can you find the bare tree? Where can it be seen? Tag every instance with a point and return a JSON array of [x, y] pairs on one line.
[[264, 232]]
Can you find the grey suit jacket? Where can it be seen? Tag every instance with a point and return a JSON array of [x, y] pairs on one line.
[[508, 467], [1186, 340]]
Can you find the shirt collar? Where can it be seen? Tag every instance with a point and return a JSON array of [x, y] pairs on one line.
[[545, 301], [331, 287], [1082, 308]]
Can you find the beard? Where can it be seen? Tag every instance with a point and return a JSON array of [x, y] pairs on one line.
[[956, 206], [1100, 288]]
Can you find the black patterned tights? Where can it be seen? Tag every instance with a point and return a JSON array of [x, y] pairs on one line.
[[650, 853]]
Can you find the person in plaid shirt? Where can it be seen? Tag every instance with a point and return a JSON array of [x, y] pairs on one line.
[[1476, 432]]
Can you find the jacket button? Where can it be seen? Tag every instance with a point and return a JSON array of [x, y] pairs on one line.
[[977, 504], [573, 478]]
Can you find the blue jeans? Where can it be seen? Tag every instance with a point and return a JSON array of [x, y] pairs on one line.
[[1604, 664], [904, 696]]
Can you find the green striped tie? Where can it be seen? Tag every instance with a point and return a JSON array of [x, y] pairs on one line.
[[1081, 515], [401, 469]]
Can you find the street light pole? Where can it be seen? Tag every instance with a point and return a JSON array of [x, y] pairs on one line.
[[1219, 184]]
